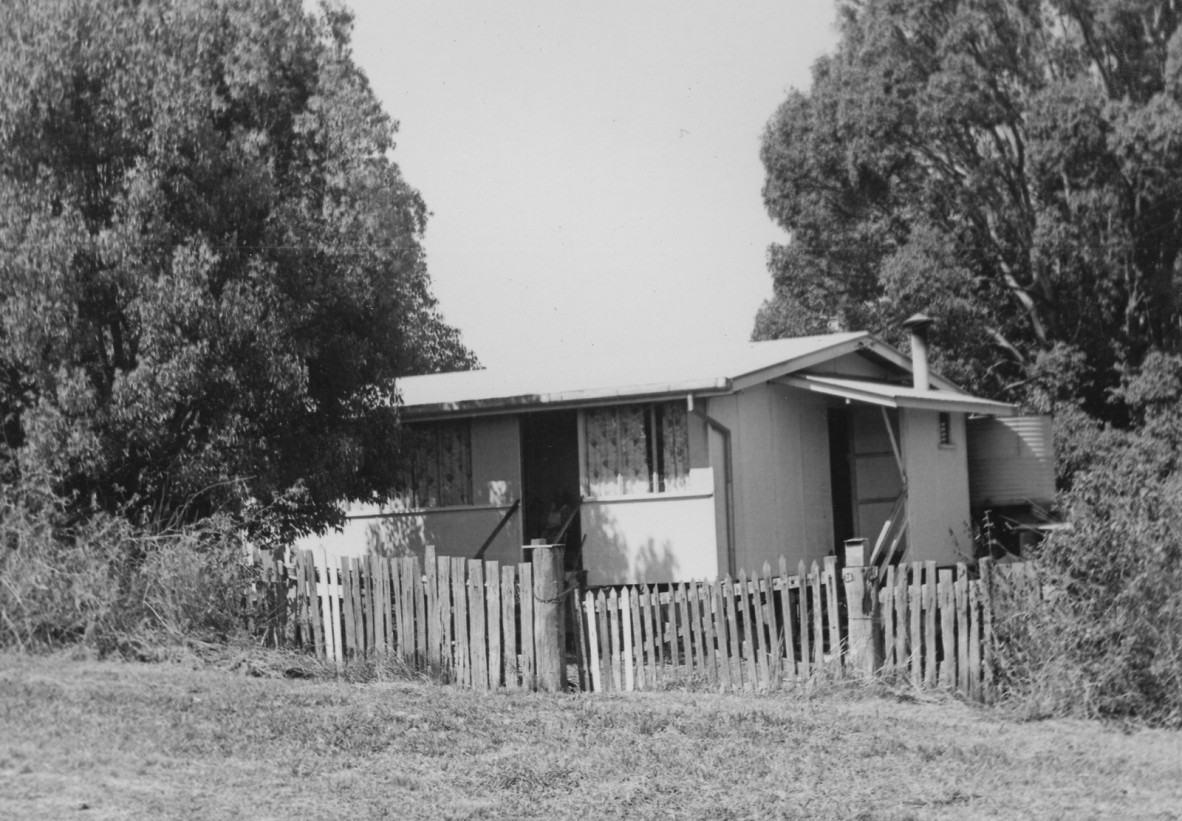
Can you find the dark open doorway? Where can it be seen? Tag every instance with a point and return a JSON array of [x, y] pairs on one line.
[[550, 478], [841, 475]]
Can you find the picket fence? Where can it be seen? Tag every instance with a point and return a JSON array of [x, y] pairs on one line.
[[481, 624], [757, 634], [466, 621]]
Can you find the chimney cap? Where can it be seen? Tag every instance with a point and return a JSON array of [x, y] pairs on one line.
[[917, 322]]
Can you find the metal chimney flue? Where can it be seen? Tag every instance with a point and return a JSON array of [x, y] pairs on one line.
[[918, 325]]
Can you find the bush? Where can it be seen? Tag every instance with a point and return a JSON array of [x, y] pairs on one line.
[[109, 584], [1107, 641]]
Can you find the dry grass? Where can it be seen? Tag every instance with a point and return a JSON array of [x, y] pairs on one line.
[[87, 739]]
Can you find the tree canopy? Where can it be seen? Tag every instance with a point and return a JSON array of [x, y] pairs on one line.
[[211, 269], [1013, 167]]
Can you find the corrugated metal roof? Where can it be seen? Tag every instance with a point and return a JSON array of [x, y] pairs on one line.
[[676, 369], [898, 396]]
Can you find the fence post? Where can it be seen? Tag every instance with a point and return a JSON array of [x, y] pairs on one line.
[[549, 637], [861, 595], [985, 565]]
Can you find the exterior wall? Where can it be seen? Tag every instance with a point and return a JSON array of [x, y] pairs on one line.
[[455, 531], [655, 537], [649, 539], [783, 491], [938, 526]]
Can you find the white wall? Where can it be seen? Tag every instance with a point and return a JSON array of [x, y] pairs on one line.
[[455, 531], [938, 526], [651, 539]]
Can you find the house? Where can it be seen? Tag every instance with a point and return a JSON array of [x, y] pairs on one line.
[[690, 464]]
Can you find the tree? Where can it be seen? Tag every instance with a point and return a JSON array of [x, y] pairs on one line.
[[1011, 166], [210, 269]]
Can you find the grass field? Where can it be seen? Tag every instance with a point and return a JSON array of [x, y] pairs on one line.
[[87, 739]]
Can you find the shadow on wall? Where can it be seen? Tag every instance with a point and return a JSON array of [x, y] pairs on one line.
[[612, 556], [391, 537], [612, 550], [650, 541]]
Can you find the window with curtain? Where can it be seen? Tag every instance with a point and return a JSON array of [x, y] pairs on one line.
[[634, 449], [437, 465]]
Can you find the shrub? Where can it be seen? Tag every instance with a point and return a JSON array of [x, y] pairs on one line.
[[107, 583], [1107, 641]]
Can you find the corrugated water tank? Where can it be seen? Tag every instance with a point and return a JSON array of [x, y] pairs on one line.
[[1011, 461]]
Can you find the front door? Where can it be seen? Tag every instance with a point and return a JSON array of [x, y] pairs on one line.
[[550, 478]]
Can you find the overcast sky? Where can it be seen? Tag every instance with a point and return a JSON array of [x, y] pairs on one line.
[[592, 168]]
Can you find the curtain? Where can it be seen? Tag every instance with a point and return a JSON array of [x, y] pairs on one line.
[[626, 444], [602, 452], [437, 466], [455, 465], [675, 445]]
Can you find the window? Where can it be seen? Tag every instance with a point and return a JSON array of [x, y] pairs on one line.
[[634, 449], [436, 465], [945, 427]]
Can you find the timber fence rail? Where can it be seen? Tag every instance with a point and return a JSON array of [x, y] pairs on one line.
[[488, 625]]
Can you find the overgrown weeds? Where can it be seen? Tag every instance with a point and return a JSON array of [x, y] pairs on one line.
[[109, 584], [1104, 640]]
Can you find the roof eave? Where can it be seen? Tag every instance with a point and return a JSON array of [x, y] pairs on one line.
[[958, 402], [566, 399]]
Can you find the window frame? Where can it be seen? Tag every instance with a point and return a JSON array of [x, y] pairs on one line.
[[944, 429], [414, 459], [661, 479]]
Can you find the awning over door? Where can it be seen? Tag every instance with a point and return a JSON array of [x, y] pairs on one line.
[[897, 396]]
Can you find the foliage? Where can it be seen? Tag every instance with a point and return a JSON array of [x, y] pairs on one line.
[[1109, 641], [210, 268], [102, 582], [1012, 167], [1009, 166]]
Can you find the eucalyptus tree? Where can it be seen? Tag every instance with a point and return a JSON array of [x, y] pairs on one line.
[[1013, 166]]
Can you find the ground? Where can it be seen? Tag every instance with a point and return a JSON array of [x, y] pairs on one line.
[[101, 740]]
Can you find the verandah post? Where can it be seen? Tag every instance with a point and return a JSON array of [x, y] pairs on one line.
[[549, 637], [861, 594]]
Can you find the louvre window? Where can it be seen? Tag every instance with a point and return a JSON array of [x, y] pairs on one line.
[[633, 449], [437, 465], [945, 425]]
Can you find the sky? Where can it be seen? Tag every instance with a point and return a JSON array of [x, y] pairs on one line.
[[592, 169]]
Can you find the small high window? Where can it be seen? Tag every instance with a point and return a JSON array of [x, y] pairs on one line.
[[436, 465], [945, 426], [633, 449]]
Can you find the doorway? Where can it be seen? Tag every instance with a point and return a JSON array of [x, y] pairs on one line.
[[550, 479], [841, 458]]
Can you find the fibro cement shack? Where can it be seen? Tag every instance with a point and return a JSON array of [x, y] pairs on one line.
[[694, 464]]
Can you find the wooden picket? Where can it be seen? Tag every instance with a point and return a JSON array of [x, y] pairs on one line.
[[473, 622], [772, 631], [762, 633], [470, 622]]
